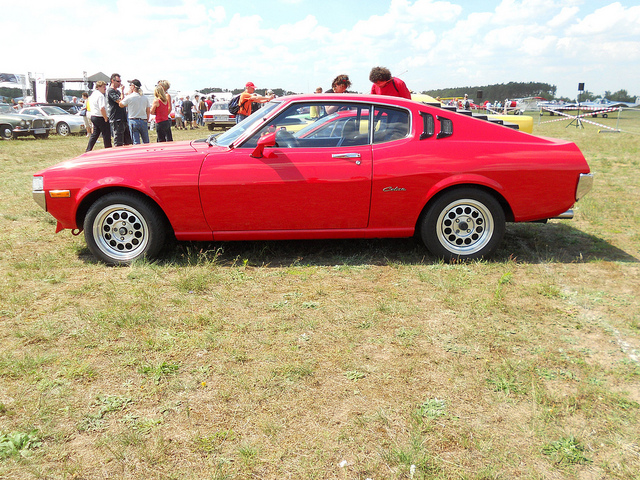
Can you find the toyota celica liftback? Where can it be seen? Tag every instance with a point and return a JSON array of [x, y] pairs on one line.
[[320, 166]]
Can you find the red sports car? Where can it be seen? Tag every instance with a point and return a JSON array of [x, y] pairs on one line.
[[320, 166]]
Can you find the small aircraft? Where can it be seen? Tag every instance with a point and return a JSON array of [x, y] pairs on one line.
[[601, 106], [605, 102]]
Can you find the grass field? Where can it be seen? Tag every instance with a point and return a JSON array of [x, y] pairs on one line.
[[326, 359]]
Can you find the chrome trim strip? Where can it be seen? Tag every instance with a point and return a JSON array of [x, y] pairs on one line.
[[345, 155]]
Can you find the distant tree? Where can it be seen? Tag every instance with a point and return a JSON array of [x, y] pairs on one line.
[[587, 96], [75, 93], [11, 92], [209, 90], [279, 92], [620, 96], [500, 91]]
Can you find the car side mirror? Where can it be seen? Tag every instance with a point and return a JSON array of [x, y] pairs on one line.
[[268, 140]]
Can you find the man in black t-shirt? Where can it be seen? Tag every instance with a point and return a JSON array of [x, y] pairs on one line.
[[117, 114], [187, 113]]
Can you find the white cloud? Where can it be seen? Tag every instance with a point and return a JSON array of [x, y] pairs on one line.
[[565, 16], [198, 43], [614, 19]]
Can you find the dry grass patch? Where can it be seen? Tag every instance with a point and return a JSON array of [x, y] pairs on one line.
[[324, 359]]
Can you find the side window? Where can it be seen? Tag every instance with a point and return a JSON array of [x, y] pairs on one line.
[[390, 124], [318, 125]]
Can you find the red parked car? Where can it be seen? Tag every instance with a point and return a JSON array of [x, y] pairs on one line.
[[320, 166]]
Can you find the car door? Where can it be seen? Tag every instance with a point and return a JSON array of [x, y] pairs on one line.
[[299, 184]]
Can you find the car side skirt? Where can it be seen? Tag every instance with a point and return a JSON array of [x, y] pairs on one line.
[[313, 234]]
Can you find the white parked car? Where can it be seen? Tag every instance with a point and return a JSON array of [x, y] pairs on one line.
[[65, 123], [219, 116]]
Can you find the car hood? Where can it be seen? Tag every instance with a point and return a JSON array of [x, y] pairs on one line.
[[128, 154], [18, 116], [66, 118]]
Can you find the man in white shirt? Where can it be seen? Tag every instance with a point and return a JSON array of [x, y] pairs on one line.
[[138, 107], [99, 117]]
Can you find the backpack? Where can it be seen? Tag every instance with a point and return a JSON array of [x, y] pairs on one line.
[[234, 105]]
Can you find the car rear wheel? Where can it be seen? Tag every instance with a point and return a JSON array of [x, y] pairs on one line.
[[63, 129], [121, 227], [463, 224], [6, 132], [211, 126]]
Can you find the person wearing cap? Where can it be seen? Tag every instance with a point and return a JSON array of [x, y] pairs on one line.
[[117, 114], [247, 98], [138, 107]]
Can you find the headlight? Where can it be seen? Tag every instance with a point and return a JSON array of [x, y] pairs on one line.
[[38, 184], [23, 123]]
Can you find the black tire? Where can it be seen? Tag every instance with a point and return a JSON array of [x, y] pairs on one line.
[[211, 126], [122, 227], [63, 129], [463, 224], [6, 132]]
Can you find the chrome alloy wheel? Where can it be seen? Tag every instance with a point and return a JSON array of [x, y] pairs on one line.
[[121, 232], [465, 226]]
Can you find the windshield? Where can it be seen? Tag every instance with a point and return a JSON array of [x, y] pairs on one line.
[[6, 109], [228, 137], [54, 111], [220, 106]]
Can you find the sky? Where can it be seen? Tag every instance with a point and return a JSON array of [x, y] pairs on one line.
[[298, 45]]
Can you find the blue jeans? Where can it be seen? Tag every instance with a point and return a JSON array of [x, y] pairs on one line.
[[139, 129], [239, 118]]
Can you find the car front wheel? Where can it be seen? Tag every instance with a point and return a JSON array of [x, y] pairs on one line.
[[63, 129], [6, 132], [121, 227], [463, 224]]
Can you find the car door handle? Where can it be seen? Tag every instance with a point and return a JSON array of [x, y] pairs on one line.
[[347, 156]]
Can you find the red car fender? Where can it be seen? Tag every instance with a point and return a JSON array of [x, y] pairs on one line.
[[117, 183], [463, 180]]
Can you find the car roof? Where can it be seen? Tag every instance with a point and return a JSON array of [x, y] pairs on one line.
[[350, 97]]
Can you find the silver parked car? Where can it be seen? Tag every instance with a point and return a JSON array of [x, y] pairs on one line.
[[65, 123]]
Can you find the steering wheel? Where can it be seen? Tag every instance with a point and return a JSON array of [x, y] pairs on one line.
[[286, 139]]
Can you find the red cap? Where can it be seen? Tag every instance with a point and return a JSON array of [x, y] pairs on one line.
[[250, 84]]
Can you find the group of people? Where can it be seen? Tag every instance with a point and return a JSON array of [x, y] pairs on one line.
[[111, 109], [126, 113], [190, 113], [383, 84]]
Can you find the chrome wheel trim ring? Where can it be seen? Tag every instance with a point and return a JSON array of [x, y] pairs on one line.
[[465, 226], [121, 232]]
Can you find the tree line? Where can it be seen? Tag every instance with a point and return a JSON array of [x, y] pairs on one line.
[[492, 93], [512, 90]]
